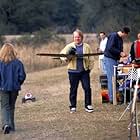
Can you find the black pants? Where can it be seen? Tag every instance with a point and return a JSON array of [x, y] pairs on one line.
[[74, 79]]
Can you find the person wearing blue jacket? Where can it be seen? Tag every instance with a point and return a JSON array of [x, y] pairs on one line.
[[12, 76], [112, 54]]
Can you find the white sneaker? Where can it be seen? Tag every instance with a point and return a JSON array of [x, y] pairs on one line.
[[6, 129], [73, 110], [89, 108]]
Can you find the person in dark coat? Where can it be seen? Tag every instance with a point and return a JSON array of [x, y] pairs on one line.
[[112, 54], [12, 76]]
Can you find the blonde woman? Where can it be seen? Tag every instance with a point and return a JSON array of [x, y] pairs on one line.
[[12, 76]]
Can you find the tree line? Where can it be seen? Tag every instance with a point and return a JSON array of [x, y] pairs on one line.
[[63, 16]]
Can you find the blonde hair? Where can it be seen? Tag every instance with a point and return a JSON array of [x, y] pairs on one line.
[[79, 32], [7, 53]]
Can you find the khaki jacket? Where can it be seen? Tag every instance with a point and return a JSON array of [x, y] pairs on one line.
[[72, 63]]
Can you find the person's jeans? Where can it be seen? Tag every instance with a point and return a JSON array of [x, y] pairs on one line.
[[8, 100], [102, 66], [74, 79], [109, 64]]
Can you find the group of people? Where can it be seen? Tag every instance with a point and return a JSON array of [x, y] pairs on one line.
[[79, 68], [112, 46], [12, 73]]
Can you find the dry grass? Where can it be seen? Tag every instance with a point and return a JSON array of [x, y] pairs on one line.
[[49, 119], [33, 62]]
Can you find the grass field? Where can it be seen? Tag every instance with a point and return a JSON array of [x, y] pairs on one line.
[[49, 118]]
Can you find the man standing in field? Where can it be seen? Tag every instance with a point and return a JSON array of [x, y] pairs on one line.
[[112, 54], [78, 70]]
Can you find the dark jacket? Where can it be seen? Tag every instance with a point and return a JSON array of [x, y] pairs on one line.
[[114, 46], [12, 75]]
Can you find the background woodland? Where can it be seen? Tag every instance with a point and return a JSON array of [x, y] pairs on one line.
[[62, 16]]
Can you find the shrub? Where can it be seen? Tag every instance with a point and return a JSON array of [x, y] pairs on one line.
[[41, 37]]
